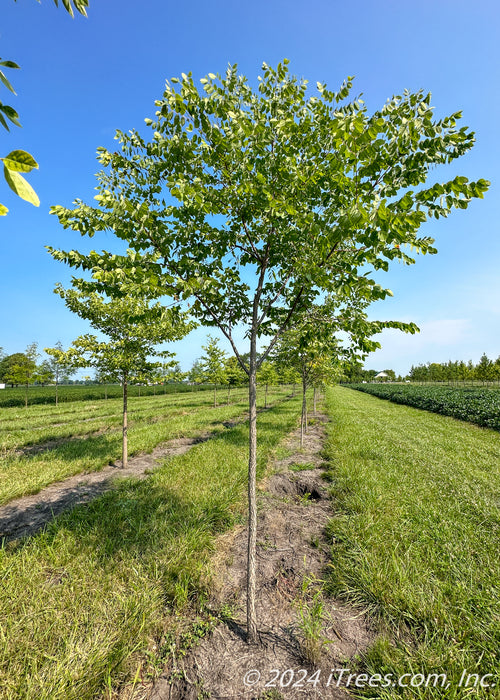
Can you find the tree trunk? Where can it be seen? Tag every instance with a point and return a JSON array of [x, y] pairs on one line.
[[105, 392], [303, 417], [215, 396], [265, 397], [314, 400], [125, 423], [26, 397], [56, 393], [252, 496], [228, 393]]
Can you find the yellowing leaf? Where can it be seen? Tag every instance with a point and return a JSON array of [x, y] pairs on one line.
[[21, 187], [20, 161]]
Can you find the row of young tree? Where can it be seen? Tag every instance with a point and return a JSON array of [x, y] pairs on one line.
[[263, 210], [24, 368], [485, 370]]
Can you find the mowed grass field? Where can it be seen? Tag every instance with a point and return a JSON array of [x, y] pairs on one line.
[[43, 444], [415, 540], [101, 596], [16, 396], [110, 591]]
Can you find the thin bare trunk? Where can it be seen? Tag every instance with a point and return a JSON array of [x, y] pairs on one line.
[[228, 393], [125, 422], [303, 417], [252, 497], [314, 400], [26, 397], [56, 392], [265, 400], [215, 396]]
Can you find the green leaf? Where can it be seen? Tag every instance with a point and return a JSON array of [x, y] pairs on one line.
[[9, 64], [11, 114], [3, 122], [20, 161], [21, 187], [3, 210], [6, 82]]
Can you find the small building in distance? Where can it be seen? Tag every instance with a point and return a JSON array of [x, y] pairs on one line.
[[381, 377]]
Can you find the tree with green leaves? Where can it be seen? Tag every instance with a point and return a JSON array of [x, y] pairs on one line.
[[251, 202], [7, 362], [288, 376], [315, 348], [43, 373], [104, 378], [234, 375], [134, 328], [484, 369], [213, 364], [171, 372], [196, 374], [23, 369], [59, 365], [266, 375]]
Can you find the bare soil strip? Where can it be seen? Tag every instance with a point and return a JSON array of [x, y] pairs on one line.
[[294, 509]]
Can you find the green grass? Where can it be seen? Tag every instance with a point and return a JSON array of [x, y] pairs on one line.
[[415, 538], [15, 396], [301, 466], [152, 420], [98, 596], [36, 425]]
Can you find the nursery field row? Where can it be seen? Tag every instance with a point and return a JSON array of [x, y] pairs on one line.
[[104, 588], [24, 470], [474, 405], [15, 396], [415, 540], [39, 424]]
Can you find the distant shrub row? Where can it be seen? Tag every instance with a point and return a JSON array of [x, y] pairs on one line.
[[46, 394], [475, 405]]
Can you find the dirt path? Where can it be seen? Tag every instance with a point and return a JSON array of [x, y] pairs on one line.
[[294, 509], [27, 515]]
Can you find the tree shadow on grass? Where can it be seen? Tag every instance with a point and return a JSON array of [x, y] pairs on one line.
[[144, 522], [158, 517]]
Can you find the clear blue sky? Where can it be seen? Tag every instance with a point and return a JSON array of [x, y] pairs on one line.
[[83, 78]]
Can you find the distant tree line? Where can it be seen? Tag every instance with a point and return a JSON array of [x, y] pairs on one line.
[[24, 368], [214, 368], [485, 370]]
